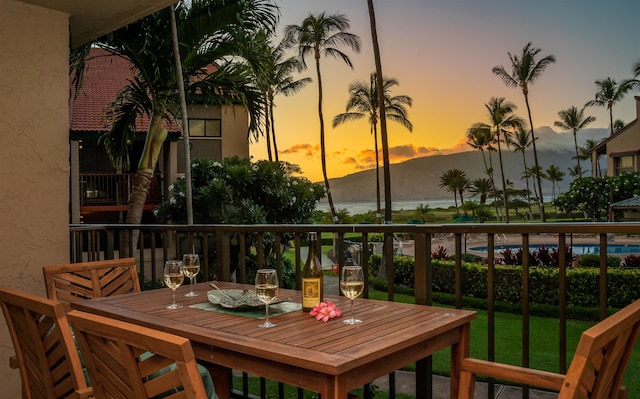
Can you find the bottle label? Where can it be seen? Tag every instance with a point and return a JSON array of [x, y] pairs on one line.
[[310, 292]]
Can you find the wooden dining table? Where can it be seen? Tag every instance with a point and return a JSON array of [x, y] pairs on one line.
[[330, 358]]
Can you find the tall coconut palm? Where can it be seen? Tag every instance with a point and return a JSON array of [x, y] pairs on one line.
[[526, 69], [481, 187], [383, 119], [585, 154], [574, 120], [277, 79], [609, 93], [322, 35], [520, 139], [555, 176], [227, 28], [455, 181], [363, 103], [481, 138], [500, 113]]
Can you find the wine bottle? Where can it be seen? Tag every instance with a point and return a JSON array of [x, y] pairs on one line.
[[312, 277]]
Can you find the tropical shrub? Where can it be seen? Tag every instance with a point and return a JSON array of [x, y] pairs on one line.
[[593, 261], [632, 261], [583, 284], [240, 191], [592, 195]]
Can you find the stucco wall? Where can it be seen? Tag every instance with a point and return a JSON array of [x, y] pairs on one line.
[[234, 132], [34, 154]]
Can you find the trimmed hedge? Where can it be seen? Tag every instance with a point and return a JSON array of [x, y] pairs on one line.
[[623, 285]]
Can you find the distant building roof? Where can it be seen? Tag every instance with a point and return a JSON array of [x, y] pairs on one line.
[[633, 202], [105, 76]]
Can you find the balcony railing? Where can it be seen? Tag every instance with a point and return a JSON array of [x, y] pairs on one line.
[[113, 190], [226, 248]]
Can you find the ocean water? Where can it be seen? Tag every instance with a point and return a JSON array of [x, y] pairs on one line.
[[358, 207]]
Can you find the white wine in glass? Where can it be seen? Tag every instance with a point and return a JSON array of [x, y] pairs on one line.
[[191, 268], [267, 291], [352, 285], [173, 278]]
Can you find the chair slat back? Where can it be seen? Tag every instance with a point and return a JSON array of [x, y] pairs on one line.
[[45, 351], [602, 356], [112, 351], [72, 282]]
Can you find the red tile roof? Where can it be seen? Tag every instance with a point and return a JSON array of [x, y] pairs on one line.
[[104, 77]]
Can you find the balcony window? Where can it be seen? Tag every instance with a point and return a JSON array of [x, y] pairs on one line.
[[625, 164], [205, 128]]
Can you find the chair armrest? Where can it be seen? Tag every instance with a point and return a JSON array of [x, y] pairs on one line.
[[521, 375]]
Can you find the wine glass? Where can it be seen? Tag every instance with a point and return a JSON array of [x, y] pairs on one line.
[[266, 291], [173, 278], [191, 268], [352, 285]]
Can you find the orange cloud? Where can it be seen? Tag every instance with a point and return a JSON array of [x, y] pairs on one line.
[[403, 152], [307, 149]]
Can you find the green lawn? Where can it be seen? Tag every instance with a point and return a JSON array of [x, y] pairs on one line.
[[544, 343]]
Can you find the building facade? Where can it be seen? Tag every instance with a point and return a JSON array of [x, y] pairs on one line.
[[621, 149], [99, 191]]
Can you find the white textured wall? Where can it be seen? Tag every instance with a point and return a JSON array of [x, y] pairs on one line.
[[34, 154]]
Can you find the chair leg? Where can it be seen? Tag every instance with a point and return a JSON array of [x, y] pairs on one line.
[[467, 386]]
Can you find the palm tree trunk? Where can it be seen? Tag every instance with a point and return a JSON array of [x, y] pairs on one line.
[[493, 184], [267, 135], [504, 184], [383, 115], [543, 217], [142, 180], [273, 130], [322, 145], [188, 192], [575, 143], [611, 117], [375, 138], [526, 179]]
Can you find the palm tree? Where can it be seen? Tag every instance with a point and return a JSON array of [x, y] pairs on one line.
[[455, 181], [322, 35], [363, 103], [524, 71], [147, 44], [618, 124], [423, 211], [610, 92], [383, 118], [502, 119], [520, 139], [575, 171], [585, 154], [278, 79], [481, 187], [554, 175], [574, 120], [481, 138]]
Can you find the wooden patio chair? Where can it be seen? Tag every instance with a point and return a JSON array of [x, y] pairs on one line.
[[72, 282], [112, 352], [45, 351], [596, 371]]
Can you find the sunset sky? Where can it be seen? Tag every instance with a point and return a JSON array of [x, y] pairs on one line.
[[442, 52]]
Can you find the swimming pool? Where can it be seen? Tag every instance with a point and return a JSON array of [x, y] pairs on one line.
[[578, 249]]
